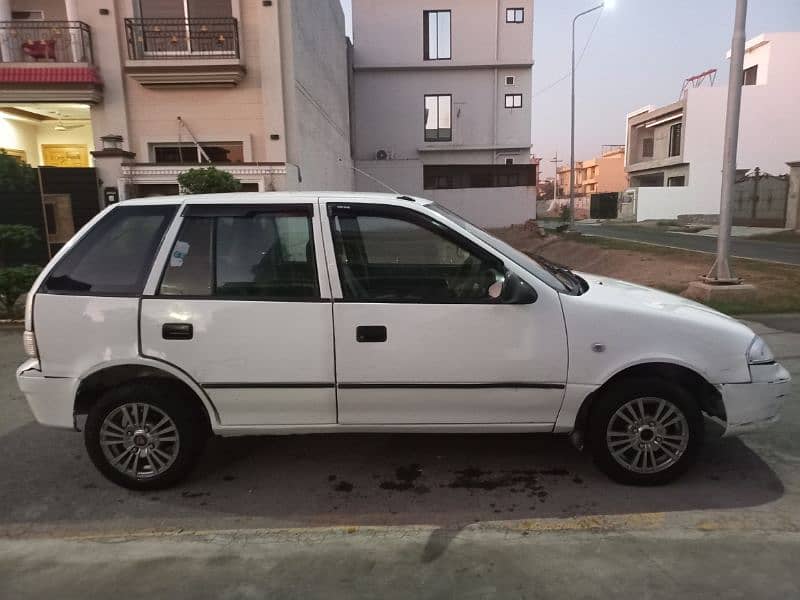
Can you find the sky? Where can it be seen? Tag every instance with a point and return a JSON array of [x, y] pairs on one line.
[[639, 53]]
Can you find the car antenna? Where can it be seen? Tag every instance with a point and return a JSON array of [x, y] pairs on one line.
[[375, 179]]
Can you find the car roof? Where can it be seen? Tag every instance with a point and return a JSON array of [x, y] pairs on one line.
[[274, 198]]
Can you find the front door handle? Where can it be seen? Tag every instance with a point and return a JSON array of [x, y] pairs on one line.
[[177, 331], [371, 333]]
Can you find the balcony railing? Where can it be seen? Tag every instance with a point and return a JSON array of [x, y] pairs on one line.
[[154, 39], [45, 41]]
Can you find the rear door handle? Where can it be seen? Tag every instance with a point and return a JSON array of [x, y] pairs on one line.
[[177, 331], [371, 333]]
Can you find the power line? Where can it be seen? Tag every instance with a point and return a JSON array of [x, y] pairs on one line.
[[577, 64]]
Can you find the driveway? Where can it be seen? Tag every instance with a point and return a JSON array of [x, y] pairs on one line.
[[395, 516], [740, 247]]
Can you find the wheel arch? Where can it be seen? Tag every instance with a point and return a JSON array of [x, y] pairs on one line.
[[103, 377], [705, 394]]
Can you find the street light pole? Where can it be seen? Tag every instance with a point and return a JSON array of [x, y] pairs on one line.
[[555, 177], [572, 122], [721, 270]]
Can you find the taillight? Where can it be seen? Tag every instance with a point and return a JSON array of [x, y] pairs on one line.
[[29, 343]]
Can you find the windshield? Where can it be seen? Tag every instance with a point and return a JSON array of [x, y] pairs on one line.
[[543, 271]]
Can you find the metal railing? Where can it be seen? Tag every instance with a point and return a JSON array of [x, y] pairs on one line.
[[153, 39], [45, 41]]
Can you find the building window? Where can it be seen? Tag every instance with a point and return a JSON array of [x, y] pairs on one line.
[[513, 100], [647, 148], [510, 80], [515, 15], [437, 177], [438, 124], [751, 75], [184, 9], [675, 139], [678, 181], [217, 153], [27, 15], [436, 34]]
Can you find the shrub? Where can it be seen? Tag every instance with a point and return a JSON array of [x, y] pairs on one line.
[[15, 281], [15, 175], [208, 181]]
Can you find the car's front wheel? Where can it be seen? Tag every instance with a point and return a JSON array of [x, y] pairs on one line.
[[645, 431], [144, 435]]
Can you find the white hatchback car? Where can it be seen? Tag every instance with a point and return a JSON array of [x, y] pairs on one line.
[[164, 320]]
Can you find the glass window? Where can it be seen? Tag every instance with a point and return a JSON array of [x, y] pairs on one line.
[[675, 139], [267, 255], [647, 147], [515, 15], [115, 256], [438, 118], [394, 258], [751, 75], [513, 100], [217, 152], [436, 34]]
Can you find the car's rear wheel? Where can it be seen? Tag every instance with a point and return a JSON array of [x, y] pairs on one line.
[[144, 436], [645, 431]]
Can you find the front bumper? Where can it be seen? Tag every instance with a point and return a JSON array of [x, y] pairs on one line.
[[51, 398], [755, 405]]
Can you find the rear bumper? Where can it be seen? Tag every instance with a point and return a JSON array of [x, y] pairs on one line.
[[755, 405], [50, 398]]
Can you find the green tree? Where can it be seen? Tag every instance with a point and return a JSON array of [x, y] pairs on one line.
[[208, 181], [15, 175]]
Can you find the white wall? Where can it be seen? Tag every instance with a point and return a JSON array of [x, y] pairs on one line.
[[21, 135], [667, 203], [489, 207]]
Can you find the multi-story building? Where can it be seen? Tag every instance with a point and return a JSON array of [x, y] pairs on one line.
[[143, 90], [442, 103], [674, 152], [604, 173]]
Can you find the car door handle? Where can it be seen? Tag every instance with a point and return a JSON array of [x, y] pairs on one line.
[[371, 333], [177, 331]]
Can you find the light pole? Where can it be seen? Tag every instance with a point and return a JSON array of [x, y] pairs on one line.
[[555, 178], [572, 122]]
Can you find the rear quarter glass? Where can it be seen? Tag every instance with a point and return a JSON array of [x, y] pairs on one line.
[[115, 257]]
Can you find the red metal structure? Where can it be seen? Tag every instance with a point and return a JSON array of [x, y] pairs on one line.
[[696, 81]]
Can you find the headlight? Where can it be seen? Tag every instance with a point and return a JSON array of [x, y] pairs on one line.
[[759, 353]]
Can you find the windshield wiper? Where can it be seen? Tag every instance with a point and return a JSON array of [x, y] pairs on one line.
[[565, 274]]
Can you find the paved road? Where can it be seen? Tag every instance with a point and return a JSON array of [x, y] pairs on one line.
[[740, 247], [399, 516]]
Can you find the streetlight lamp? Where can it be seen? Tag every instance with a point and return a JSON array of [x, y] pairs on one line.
[[572, 117]]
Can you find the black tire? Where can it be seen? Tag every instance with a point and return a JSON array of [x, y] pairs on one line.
[[161, 399], [605, 408]]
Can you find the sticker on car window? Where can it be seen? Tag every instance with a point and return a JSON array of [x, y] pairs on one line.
[[178, 254]]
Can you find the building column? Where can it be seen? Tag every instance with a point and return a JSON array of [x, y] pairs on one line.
[[75, 35], [793, 199], [6, 51]]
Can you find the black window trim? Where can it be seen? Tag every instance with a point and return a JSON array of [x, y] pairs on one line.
[[426, 43], [170, 213], [512, 96], [215, 211], [418, 218], [424, 128], [515, 9]]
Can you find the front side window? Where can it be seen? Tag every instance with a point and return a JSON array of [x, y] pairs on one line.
[[115, 256], [396, 255], [217, 152], [515, 15], [260, 255], [438, 118], [513, 100], [436, 34], [675, 139]]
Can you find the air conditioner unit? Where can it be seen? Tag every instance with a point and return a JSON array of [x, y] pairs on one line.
[[381, 155]]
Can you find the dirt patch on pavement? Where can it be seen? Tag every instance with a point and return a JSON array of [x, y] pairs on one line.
[[778, 286]]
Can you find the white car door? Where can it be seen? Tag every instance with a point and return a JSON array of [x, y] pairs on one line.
[[242, 308], [418, 339]]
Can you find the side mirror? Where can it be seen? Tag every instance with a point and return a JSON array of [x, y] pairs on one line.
[[512, 289]]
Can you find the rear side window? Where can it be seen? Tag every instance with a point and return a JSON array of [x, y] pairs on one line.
[[262, 255], [115, 256]]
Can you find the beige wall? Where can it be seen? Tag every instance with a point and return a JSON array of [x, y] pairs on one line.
[[611, 173], [54, 10]]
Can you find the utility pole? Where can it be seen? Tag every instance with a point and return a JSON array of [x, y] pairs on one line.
[[721, 270], [555, 178]]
